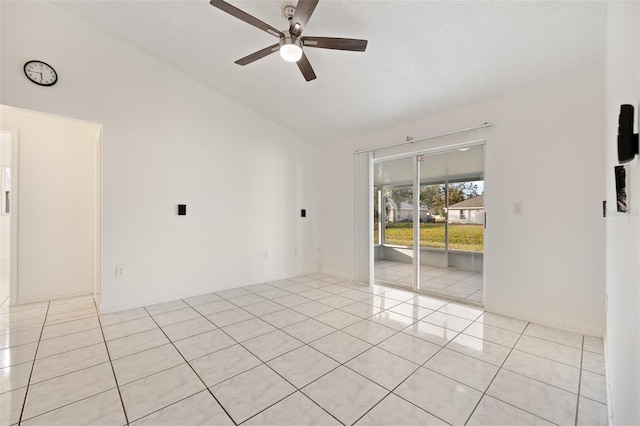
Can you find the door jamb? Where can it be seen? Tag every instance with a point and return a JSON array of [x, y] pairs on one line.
[[13, 216]]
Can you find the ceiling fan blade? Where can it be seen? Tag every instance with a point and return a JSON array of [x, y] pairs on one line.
[[306, 69], [303, 12], [335, 43], [244, 16], [258, 55]]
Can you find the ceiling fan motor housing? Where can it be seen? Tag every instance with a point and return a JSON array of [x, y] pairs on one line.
[[289, 11]]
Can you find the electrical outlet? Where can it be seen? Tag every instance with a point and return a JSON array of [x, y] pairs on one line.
[[121, 270], [265, 254]]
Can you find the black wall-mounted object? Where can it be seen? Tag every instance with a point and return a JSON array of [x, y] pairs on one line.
[[621, 189], [627, 140], [303, 213], [182, 209]]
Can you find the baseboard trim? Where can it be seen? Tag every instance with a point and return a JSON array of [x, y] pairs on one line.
[[607, 385], [574, 328], [337, 274]]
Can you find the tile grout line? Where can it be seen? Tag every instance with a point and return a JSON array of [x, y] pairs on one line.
[[69, 350], [439, 350], [297, 389], [190, 366], [263, 363], [500, 369], [579, 382], [172, 342], [423, 364], [304, 396], [268, 366], [68, 403], [368, 349], [43, 324], [307, 317], [287, 396], [74, 332], [339, 329], [426, 293], [419, 365], [26, 393], [18, 322], [496, 375], [547, 358], [291, 308], [113, 371], [541, 381], [188, 337], [557, 343], [437, 293], [69, 372], [146, 375], [333, 309]]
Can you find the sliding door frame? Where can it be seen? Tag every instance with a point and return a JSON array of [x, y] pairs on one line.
[[417, 156]]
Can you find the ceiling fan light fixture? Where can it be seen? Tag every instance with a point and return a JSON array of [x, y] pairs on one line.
[[290, 48], [291, 52], [291, 42]]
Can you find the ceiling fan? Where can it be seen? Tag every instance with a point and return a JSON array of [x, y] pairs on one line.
[[291, 40]]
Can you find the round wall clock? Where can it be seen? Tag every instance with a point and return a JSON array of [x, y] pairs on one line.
[[40, 73]]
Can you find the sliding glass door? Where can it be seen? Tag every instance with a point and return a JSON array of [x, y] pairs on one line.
[[394, 221], [429, 222]]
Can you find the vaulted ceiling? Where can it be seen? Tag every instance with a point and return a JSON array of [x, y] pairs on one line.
[[423, 57]]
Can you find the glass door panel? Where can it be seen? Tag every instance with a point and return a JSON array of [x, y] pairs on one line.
[[436, 247], [451, 242], [432, 215], [466, 216], [393, 222]]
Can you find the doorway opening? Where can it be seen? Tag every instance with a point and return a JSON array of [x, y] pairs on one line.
[[428, 222], [54, 198]]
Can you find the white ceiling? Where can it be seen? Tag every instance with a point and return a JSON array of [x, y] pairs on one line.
[[423, 56]]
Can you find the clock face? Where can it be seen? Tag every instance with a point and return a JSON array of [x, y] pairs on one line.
[[40, 73]]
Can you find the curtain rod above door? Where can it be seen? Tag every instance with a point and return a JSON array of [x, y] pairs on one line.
[[410, 140]]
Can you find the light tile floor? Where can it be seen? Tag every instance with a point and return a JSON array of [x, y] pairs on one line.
[[449, 282], [309, 350]]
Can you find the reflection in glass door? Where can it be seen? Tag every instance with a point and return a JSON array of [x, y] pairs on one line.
[[449, 222], [393, 222]]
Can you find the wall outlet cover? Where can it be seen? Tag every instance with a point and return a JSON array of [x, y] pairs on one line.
[[121, 270]]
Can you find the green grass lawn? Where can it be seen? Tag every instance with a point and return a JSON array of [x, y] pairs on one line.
[[461, 237]]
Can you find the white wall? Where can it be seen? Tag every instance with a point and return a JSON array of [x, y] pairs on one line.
[[168, 140], [544, 150], [623, 230], [5, 219], [57, 190], [5, 229]]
